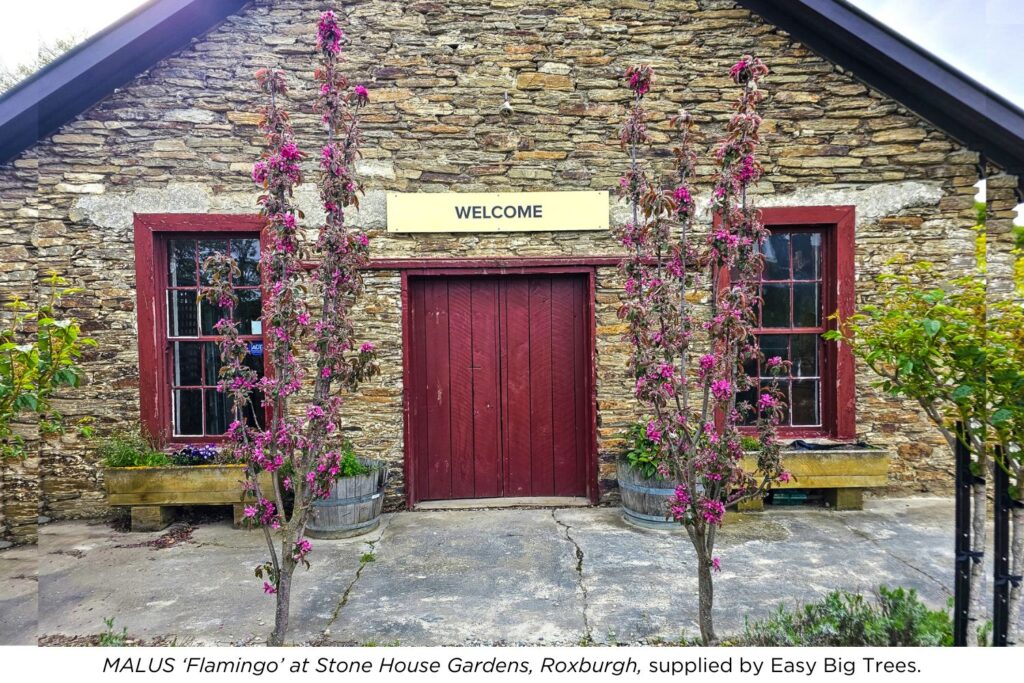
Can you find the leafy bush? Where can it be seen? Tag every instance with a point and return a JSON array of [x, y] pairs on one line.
[[841, 619], [641, 452], [130, 448], [39, 354], [350, 465]]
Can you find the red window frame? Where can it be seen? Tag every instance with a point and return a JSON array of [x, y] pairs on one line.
[[838, 390], [152, 232]]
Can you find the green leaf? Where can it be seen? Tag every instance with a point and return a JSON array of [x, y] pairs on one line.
[[962, 392], [1002, 415], [932, 327]]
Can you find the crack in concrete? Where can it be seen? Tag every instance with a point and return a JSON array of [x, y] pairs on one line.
[[348, 591], [587, 631], [867, 537]]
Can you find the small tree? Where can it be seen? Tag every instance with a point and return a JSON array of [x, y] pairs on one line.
[[301, 448], [947, 345], [39, 354], [689, 367]]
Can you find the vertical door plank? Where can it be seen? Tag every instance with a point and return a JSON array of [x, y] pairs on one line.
[[563, 375], [580, 382], [486, 380], [460, 335], [541, 436], [518, 466], [439, 482], [418, 388]]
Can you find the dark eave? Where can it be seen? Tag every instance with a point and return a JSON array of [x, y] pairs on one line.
[[68, 86], [888, 62]]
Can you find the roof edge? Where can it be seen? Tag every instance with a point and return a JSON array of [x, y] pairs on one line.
[[63, 89], [951, 100]]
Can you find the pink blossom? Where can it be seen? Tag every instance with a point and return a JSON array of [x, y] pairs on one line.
[[721, 389], [329, 34], [362, 95], [774, 362], [268, 589], [367, 347], [767, 402], [653, 433], [713, 511]]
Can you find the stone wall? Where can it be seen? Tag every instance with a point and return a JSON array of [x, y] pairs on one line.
[[181, 138]]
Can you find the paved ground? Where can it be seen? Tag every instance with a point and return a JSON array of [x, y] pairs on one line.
[[540, 576]]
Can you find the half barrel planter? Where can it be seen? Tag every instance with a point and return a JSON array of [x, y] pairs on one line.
[[645, 499], [152, 493], [354, 506]]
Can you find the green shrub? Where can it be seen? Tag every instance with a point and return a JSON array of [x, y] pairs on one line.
[[642, 453], [350, 465], [130, 448], [842, 619]]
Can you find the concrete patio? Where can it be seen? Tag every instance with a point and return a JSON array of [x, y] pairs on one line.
[[515, 576]]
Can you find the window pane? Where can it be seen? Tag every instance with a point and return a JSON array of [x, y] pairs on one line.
[[805, 403], [775, 312], [774, 345], [211, 316], [246, 254], [805, 355], [218, 412], [806, 306], [776, 257], [182, 312], [208, 248], [750, 396], [181, 271], [187, 364], [254, 359], [806, 255], [188, 412], [211, 351], [249, 310]]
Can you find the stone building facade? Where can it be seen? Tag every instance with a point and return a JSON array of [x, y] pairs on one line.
[[181, 138]]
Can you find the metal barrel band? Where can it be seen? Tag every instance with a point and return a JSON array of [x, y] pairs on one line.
[[650, 518], [365, 498], [646, 489]]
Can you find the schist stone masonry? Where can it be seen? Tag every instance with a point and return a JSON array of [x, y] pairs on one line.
[[494, 287]]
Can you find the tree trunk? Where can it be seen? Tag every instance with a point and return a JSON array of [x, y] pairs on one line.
[[976, 609], [1016, 569], [284, 596], [706, 599]]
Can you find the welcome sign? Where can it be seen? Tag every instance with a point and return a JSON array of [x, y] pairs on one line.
[[497, 211]]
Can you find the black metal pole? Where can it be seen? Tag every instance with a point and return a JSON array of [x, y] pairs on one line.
[[1001, 562], [962, 545]]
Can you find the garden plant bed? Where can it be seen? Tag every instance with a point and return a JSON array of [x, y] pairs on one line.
[[152, 493], [843, 472]]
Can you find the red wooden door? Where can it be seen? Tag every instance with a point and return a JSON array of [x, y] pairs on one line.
[[497, 386]]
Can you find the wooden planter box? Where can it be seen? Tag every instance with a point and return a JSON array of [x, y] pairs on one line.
[[154, 492], [845, 473]]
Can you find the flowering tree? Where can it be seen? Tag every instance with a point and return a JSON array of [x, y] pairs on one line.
[[689, 365], [300, 448]]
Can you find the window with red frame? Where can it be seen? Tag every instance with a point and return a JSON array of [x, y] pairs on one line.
[[178, 345], [807, 276]]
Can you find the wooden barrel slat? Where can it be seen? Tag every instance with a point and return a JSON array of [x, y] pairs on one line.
[[354, 506], [645, 500]]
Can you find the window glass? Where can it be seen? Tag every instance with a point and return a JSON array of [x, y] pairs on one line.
[[198, 408], [791, 292]]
